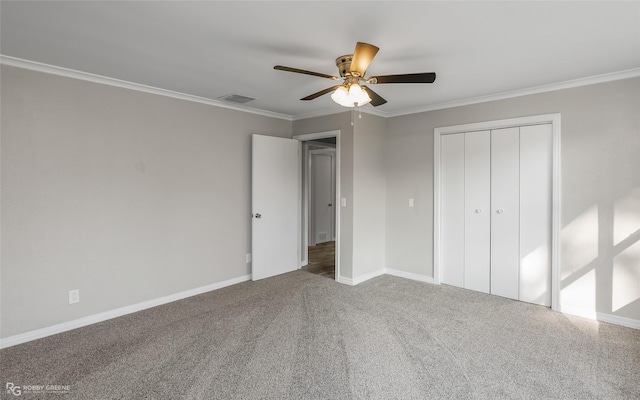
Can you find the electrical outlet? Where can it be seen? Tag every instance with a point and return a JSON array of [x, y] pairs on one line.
[[248, 258], [74, 296]]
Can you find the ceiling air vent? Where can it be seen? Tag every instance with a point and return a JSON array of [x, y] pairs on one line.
[[236, 98]]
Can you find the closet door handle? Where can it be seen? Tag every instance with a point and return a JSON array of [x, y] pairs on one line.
[[478, 210], [500, 211]]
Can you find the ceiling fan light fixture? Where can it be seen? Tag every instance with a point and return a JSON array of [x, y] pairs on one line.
[[352, 69], [341, 96], [358, 95], [352, 97]]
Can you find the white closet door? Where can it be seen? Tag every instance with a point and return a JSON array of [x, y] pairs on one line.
[[505, 217], [452, 196], [535, 213], [477, 175]]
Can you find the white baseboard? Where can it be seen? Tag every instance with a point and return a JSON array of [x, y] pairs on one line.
[[344, 281], [578, 312], [614, 319], [359, 279], [409, 275], [602, 317], [362, 278], [118, 312], [387, 271]]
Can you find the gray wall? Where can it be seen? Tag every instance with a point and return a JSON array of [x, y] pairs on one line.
[[130, 196], [369, 195], [600, 189], [124, 195]]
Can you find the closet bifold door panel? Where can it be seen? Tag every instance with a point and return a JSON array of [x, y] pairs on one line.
[[535, 213], [477, 215], [496, 211], [452, 233], [505, 212]]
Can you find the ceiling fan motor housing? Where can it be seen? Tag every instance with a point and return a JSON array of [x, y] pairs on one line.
[[344, 65]]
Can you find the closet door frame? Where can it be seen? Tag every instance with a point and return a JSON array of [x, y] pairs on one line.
[[554, 120]]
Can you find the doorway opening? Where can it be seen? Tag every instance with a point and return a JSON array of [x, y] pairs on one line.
[[320, 219]]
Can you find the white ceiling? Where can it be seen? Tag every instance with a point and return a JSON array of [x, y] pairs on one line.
[[211, 49]]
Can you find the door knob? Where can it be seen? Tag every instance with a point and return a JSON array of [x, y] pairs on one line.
[[258, 215], [478, 211], [329, 204], [500, 211]]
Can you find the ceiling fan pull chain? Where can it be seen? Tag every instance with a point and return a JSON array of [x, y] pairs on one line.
[[353, 111]]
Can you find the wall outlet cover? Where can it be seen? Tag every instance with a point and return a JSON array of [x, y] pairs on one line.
[[74, 296]]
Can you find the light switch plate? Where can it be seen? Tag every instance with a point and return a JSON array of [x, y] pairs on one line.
[[343, 202], [410, 202]]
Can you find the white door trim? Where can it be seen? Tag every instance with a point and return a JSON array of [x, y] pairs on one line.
[[554, 120], [304, 215]]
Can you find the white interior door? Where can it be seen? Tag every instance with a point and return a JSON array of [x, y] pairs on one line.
[[535, 213], [505, 208], [477, 194], [275, 206], [322, 196], [523, 218], [452, 153]]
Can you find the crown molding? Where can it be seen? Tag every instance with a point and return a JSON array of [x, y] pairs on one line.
[[85, 76], [66, 72], [613, 76]]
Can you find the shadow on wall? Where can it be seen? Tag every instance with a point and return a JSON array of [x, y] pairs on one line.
[[601, 259]]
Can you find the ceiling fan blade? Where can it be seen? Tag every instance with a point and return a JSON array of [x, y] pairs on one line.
[[302, 71], [320, 93], [362, 57], [422, 77], [376, 100]]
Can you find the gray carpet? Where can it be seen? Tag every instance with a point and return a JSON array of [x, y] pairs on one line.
[[302, 336]]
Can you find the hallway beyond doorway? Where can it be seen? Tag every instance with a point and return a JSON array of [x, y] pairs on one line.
[[322, 260]]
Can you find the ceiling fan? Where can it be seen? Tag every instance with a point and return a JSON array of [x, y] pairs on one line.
[[352, 68]]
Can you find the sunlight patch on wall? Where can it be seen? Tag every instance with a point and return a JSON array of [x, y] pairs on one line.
[[580, 242], [581, 294], [535, 280], [626, 277], [626, 219]]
